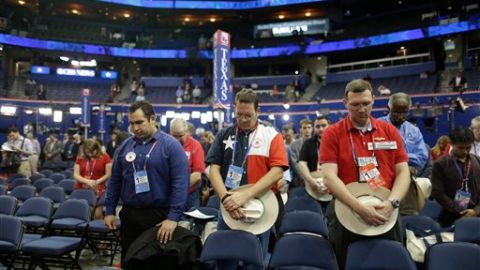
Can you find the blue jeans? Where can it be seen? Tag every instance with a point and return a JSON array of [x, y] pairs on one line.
[[264, 239]]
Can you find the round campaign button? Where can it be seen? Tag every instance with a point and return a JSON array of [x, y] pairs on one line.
[[130, 156]]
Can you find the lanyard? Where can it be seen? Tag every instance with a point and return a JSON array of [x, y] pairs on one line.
[[460, 172], [248, 149], [146, 158], [354, 153], [318, 153], [89, 170]]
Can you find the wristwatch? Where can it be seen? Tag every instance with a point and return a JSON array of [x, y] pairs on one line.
[[395, 203]]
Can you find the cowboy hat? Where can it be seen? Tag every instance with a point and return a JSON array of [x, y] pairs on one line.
[[261, 213], [352, 221], [424, 190], [317, 195]]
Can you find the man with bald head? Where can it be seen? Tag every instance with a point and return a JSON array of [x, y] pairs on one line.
[[179, 129], [399, 106]]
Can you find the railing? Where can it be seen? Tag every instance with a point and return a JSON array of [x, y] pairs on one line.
[[380, 62]]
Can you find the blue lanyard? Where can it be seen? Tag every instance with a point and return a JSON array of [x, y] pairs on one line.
[[463, 177], [146, 158], [248, 149]]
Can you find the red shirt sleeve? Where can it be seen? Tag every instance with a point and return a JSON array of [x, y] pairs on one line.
[[278, 153], [329, 151]]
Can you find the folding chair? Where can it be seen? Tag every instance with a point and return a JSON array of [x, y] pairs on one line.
[[36, 176], [421, 222], [303, 222], [370, 254], [302, 203], [453, 255], [22, 193], [3, 190], [296, 251], [98, 234], [68, 185], [431, 209], [233, 246], [68, 174], [11, 232], [46, 172], [85, 194], [8, 205], [35, 213], [40, 184], [66, 234], [56, 194], [19, 182], [57, 177], [467, 230]]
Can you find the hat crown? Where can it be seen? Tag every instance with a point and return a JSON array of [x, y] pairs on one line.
[[253, 210]]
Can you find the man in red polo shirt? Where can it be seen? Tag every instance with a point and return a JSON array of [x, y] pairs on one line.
[[357, 142], [196, 159]]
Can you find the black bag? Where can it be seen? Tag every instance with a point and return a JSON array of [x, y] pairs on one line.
[[12, 160]]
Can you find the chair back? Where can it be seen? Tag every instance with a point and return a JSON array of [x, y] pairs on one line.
[[57, 177], [453, 255], [303, 203], [378, 254], [56, 194], [11, 238], [36, 211], [40, 184], [233, 245], [68, 185], [467, 230], [303, 222], [22, 193], [85, 194], [8, 205]]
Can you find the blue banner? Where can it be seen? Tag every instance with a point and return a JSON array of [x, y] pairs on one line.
[[86, 108], [221, 74]]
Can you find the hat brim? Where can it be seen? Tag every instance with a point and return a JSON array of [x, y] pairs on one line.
[[261, 225], [317, 195], [353, 222]]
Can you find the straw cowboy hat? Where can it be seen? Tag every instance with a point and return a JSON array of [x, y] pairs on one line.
[[261, 213], [424, 190], [352, 221], [317, 195]]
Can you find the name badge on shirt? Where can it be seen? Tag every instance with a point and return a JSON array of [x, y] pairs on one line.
[[370, 174], [462, 198], [363, 161], [234, 177], [141, 182], [391, 145]]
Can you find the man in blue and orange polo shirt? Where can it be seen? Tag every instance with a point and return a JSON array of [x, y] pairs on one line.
[[250, 150], [360, 142]]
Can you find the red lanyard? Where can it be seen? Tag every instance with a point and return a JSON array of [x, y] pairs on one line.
[[89, 170]]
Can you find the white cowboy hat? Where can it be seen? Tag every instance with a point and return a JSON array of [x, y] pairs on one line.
[[261, 213], [317, 195], [424, 190], [352, 221]]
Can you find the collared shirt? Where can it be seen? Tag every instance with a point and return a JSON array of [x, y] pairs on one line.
[[475, 148], [309, 153], [27, 146], [337, 148], [413, 142], [168, 175], [196, 157], [267, 151]]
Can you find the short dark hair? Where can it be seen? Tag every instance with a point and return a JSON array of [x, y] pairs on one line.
[[247, 95], [146, 108], [461, 135], [12, 130], [305, 122], [357, 86], [322, 117]]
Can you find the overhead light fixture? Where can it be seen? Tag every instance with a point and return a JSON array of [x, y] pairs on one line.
[[57, 116], [286, 117], [74, 11], [20, 2], [28, 111], [170, 114], [296, 72], [163, 120], [8, 110], [45, 111], [213, 20], [126, 15], [286, 106], [281, 17], [64, 58], [308, 14], [203, 119], [75, 110], [187, 19], [196, 115], [271, 117]]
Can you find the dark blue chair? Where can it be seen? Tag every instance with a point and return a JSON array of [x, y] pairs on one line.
[[303, 222], [68, 185], [36, 176], [22, 193], [19, 182], [370, 254], [297, 192], [85, 194], [40, 184], [303, 251], [57, 177], [54, 193], [15, 176], [8, 205], [431, 209], [233, 246], [302, 203], [467, 230], [35, 213], [68, 174], [213, 202], [98, 234], [3, 190], [420, 222], [46, 172], [11, 232], [67, 234], [453, 255]]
